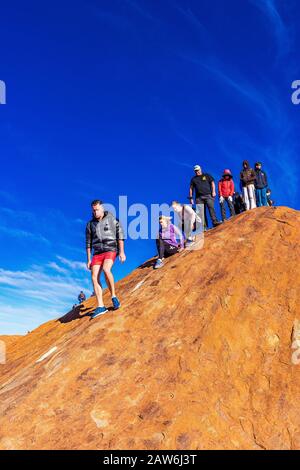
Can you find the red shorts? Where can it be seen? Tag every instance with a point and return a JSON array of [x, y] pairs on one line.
[[98, 260]]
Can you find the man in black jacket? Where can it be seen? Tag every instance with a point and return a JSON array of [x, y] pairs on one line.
[[104, 236], [204, 187]]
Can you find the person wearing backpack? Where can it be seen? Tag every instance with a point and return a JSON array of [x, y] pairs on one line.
[[105, 237], [226, 192], [261, 185]]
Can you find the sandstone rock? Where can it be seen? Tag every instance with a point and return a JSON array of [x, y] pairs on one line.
[[199, 357]]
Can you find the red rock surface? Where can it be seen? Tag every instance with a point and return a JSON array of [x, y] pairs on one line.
[[199, 356], [9, 339]]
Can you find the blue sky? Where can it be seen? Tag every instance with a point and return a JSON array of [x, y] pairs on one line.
[[123, 97]]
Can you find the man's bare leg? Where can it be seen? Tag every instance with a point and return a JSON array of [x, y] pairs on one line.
[[96, 273], [107, 265]]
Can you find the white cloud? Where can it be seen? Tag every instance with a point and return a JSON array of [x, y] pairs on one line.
[[23, 234], [33, 296], [57, 268], [72, 264], [279, 29], [19, 320], [140, 9], [193, 19]]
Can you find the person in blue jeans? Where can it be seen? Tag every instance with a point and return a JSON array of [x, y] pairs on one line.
[[261, 185]]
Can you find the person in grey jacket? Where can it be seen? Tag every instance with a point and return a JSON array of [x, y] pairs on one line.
[[105, 238]]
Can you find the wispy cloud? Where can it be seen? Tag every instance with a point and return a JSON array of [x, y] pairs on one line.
[[141, 10], [51, 227], [176, 127], [80, 221], [40, 282], [261, 104], [23, 234], [279, 150], [193, 19], [279, 29], [72, 264], [57, 268], [50, 290], [279, 157], [19, 319], [181, 163]]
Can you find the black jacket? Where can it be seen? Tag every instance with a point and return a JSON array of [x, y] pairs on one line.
[[261, 180], [104, 235]]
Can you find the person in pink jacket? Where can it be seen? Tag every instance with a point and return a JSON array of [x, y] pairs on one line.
[[226, 192]]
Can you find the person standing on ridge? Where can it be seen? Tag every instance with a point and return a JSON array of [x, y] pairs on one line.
[[104, 235], [204, 187], [81, 297], [248, 177], [226, 192], [261, 185]]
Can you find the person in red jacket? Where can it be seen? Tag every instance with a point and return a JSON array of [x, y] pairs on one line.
[[226, 192]]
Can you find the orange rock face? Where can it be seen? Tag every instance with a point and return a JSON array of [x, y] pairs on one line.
[[204, 354]]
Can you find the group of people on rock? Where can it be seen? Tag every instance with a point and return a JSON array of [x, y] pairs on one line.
[[202, 194], [253, 183], [105, 237]]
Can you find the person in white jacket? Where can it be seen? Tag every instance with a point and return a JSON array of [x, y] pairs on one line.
[[188, 218]]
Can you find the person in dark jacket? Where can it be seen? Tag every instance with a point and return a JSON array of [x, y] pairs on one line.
[[226, 192], [204, 187], [104, 236], [248, 177], [261, 185], [81, 297], [239, 205]]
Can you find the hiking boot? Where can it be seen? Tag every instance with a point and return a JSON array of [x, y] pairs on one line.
[[116, 303], [159, 264], [99, 311]]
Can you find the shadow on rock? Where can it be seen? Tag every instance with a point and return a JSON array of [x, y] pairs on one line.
[[148, 264], [75, 314]]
